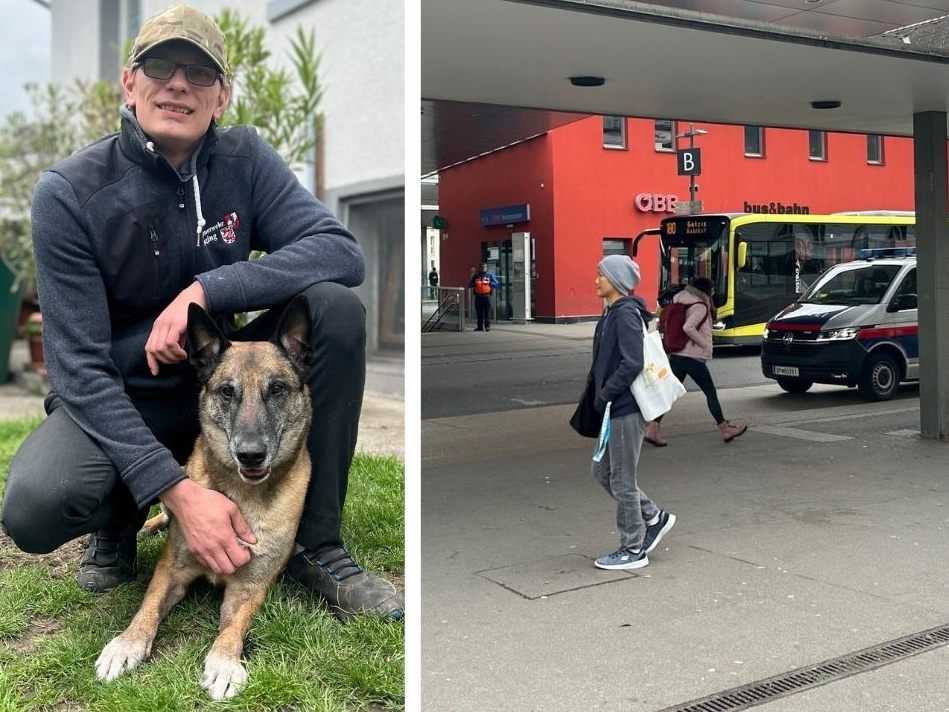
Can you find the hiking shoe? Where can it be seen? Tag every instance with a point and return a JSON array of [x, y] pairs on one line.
[[623, 559], [109, 560], [333, 573], [658, 530]]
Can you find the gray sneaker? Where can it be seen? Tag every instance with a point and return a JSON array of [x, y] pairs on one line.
[[658, 530], [623, 559], [333, 573]]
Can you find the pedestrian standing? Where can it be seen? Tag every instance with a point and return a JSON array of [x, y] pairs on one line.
[[483, 283], [693, 359], [617, 360], [433, 282]]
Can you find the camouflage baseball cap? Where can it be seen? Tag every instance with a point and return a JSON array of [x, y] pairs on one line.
[[182, 22]]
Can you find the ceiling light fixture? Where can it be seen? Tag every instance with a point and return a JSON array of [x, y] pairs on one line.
[[825, 104], [587, 81]]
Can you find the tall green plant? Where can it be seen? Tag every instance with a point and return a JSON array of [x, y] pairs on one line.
[[58, 123], [282, 105]]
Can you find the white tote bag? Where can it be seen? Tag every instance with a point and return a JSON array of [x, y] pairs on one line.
[[656, 388]]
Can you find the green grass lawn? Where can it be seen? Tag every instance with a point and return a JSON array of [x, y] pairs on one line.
[[298, 655]]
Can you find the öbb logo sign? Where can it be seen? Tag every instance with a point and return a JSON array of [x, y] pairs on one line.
[[656, 203]]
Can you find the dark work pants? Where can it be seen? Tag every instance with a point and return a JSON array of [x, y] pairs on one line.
[[483, 309], [683, 366], [62, 486]]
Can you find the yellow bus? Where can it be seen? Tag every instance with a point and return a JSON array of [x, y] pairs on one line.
[[760, 263]]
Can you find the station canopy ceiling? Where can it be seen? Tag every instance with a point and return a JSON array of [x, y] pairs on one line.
[[497, 71]]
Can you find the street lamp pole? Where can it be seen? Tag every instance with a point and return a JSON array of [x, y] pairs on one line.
[[691, 134], [691, 176]]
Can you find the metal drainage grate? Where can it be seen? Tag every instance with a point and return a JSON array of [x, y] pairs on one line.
[[789, 683]]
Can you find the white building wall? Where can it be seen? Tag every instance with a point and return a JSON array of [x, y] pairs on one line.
[[363, 78], [75, 45]]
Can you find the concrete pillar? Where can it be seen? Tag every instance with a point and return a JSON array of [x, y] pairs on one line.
[[932, 271]]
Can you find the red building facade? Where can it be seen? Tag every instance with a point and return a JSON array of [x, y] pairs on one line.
[[583, 199]]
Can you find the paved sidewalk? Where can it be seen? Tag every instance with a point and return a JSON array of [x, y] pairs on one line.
[[822, 531]]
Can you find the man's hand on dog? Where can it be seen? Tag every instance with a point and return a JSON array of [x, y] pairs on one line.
[[166, 341], [213, 526]]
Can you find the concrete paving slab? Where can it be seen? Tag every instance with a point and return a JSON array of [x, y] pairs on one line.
[[787, 552], [550, 576], [697, 623]]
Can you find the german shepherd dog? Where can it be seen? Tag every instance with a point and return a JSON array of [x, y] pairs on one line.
[[255, 415]]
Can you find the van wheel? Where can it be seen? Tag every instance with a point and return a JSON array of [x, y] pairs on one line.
[[795, 385], [880, 378]]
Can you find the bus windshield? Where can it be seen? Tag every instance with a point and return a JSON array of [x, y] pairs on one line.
[[693, 247], [859, 284]]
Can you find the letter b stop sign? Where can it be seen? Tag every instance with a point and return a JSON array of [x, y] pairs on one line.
[[689, 161]]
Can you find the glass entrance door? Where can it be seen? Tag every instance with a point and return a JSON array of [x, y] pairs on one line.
[[498, 257]]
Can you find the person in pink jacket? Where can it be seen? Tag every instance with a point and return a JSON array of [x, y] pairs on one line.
[[691, 360]]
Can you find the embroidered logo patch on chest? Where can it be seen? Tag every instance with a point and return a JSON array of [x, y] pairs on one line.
[[224, 229]]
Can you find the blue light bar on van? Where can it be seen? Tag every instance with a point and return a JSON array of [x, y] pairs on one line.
[[869, 254]]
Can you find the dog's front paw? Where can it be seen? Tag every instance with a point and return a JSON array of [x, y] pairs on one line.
[[155, 525], [223, 677], [118, 656]]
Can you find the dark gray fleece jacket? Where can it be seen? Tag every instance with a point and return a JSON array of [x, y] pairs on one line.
[[618, 354], [116, 236]]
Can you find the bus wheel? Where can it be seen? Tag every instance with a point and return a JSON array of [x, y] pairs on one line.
[[795, 385], [880, 377]]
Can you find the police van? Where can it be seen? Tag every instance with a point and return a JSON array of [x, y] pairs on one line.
[[855, 326]]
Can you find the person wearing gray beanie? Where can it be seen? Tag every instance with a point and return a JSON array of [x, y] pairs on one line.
[[622, 272], [617, 361]]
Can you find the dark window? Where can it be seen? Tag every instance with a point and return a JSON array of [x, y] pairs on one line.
[[817, 145], [754, 141], [908, 286], [616, 246], [875, 149], [665, 135], [614, 132]]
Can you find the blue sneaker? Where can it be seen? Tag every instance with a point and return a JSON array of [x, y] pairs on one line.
[[658, 530], [623, 559]]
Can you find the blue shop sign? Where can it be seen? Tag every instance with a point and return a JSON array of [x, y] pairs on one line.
[[506, 215]]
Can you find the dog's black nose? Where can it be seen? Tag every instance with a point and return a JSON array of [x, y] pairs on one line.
[[251, 458]]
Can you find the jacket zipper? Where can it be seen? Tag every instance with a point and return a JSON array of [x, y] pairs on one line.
[[154, 238]]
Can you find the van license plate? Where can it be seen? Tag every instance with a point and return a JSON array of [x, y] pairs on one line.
[[785, 371]]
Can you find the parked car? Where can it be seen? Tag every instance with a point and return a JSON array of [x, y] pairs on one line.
[[855, 326]]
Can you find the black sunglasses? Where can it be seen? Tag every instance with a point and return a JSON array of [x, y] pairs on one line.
[[198, 74]]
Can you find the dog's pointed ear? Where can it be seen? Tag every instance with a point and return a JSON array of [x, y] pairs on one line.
[[206, 342], [293, 334]]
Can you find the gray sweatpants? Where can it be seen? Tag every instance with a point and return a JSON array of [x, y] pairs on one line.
[[617, 473]]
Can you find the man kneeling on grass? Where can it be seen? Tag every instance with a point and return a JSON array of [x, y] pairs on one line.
[[617, 361], [122, 248]]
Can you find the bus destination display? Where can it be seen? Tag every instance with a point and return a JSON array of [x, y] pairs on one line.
[[691, 227]]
